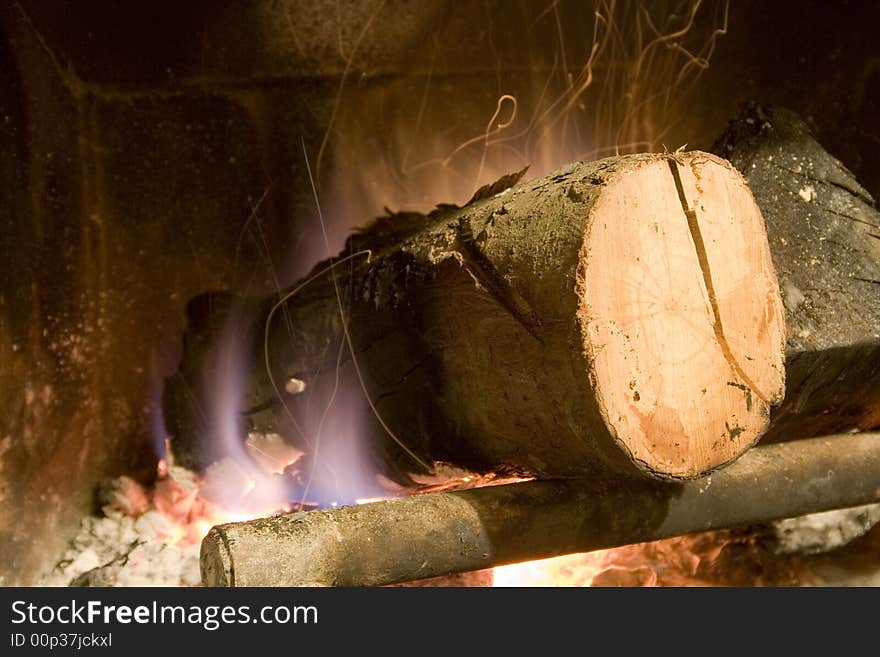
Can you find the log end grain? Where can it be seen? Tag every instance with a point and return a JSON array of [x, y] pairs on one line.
[[681, 314]]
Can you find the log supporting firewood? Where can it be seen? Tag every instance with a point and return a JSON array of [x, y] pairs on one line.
[[824, 234], [439, 533], [621, 315]]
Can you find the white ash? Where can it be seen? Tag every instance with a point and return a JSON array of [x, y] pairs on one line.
[[792, 297], [294, 386], [821, 532], [152, 537], [807, 193], [128, 544]]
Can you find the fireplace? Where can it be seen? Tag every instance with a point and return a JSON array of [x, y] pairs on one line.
[[158, 158]]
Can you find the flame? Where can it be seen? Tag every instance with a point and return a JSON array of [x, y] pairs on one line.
[[619, 86], [737, 557], [183, 506], [617, 96], [568, 570]]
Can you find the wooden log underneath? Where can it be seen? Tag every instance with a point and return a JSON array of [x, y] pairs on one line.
[[616, 316], [440, 533], [824, 234]]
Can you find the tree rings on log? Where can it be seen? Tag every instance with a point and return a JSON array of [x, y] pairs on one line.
[[681, 315]]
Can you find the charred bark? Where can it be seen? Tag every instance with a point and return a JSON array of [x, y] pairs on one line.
[[824, 234]]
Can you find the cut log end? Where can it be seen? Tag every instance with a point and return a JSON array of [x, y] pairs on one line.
[[215, 560], [681, 314]]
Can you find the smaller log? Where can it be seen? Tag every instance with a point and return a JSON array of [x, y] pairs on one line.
[[441, 533], [824, 235]]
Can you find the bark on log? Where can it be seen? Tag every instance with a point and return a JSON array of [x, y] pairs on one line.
[[621, 315], [440, 533], [824, 234]]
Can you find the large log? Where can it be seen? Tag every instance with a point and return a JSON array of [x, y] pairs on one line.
[[621, 315], [824, 234], [439, 533]]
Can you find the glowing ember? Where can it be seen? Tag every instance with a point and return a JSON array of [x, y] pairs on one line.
[[739, 557], [184, 506], [186, 515], [569, 570]]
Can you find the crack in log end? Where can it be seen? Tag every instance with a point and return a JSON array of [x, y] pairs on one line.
[[703, 258], [648, 326]]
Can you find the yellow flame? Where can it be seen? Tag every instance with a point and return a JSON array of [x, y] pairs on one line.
[[570, 570]]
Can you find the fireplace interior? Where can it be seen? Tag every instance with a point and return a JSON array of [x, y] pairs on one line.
[[168, 164]]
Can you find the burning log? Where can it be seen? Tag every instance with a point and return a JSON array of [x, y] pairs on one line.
[[824, 237], [439, 533], [618, 316]]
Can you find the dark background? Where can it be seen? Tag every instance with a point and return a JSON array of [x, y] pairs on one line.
[[152, 151]]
